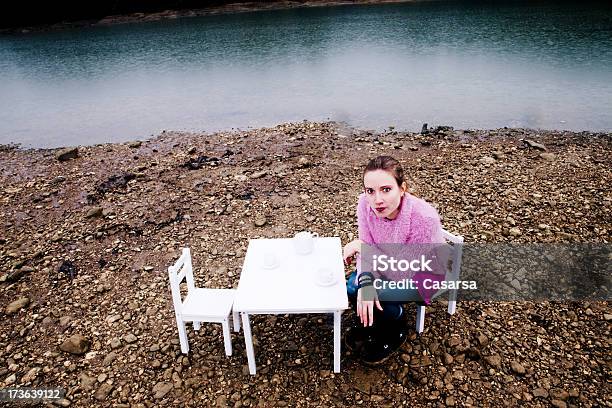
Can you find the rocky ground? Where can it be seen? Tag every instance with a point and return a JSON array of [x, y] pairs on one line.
[[87, 236]]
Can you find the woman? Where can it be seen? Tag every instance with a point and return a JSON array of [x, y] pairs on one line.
[[386, 214]]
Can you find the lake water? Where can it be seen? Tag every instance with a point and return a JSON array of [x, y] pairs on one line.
[[468, 65]]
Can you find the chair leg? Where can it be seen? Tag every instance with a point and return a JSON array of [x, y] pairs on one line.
[[182, 335], [452, 307], [236, 318], [420, 319], [452, 302], [227, 337], [196, 326]]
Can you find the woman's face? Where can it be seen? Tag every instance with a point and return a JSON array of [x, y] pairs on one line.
[[383, 193]]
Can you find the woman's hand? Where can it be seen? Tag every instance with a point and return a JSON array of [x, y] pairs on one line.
[[365, 308], [350, 250]]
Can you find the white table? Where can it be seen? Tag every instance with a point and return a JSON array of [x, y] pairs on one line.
[[291, 287]]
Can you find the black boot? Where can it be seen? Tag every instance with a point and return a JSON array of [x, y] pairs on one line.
[[389, 337], [357, 336]]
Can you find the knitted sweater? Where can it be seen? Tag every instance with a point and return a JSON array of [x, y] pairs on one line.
[[416, 223]]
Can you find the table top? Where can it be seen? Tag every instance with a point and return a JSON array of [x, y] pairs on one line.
[[291, 287]]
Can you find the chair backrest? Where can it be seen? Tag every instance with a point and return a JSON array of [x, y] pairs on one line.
[[452, 274], [457, 240], [182, 269]]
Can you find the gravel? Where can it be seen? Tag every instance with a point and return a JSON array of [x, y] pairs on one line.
[[97, 232]]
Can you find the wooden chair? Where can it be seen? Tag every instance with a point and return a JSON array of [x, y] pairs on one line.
[[200, 304]]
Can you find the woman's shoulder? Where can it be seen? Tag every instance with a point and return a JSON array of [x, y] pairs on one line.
[[422, 209]]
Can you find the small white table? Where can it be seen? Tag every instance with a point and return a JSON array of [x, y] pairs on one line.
[[291, 287]]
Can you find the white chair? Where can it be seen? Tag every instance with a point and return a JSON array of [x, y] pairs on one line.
[[200, 304], [451, 275]]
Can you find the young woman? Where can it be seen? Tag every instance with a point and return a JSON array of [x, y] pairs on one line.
[[386, 214]]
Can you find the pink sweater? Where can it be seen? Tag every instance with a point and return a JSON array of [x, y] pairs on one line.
[[416, 223]]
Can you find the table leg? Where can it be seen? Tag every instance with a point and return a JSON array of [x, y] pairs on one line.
[[248, 342], [337, 321]]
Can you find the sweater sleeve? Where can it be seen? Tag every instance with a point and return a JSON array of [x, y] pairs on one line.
[[365, 234]]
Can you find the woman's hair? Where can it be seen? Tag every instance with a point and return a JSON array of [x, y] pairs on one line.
[[388, 164]]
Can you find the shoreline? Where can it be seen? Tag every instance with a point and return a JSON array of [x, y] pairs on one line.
[[444, 131], [232, 8], [86, 243]]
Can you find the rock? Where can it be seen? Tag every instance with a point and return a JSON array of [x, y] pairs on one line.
[[450, 401], [483, 340], [115, 343], [516, 284], [547, 156], [487, 160], [424, 129], [86, 381], [517, 367], [535, 145], [540, 392], [260, 220], [259, 174], [94, 212], [422, 361], [607, 317], [559, 394], [11, 379], [17, 305], [558, 403], [135, 144], [110, 357], [515, 231], [14, 276], [240, 177], [304, 162], [161, 389], [30, 375], [448, 359], [76, 344], [67, 154], [494, 360], [63, 402], [130, 338], [64, 321], [102, 392]]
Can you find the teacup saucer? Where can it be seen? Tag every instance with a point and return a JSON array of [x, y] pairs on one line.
[[330, 282], [271, 266]]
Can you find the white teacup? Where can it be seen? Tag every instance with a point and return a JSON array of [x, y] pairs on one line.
[[304, 242]]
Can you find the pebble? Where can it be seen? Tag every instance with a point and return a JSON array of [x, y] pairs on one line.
[[260, 220], [67, 154], [17, 305], [102, 392], [75, 344], [493, 360], [115, 343], [517, 367], [161, 389]]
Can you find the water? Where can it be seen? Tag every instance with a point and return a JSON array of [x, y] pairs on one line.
[[469, 65]]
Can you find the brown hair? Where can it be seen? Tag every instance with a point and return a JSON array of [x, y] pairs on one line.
[[388, 164]]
